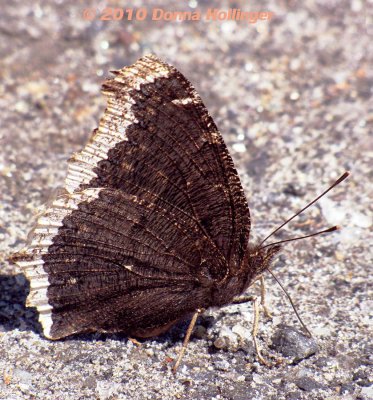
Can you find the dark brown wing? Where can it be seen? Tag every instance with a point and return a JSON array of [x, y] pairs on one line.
[[154, 213], [95, 262], [157, 141]]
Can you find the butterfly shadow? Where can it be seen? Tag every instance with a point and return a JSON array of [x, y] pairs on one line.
[[169, 339], [14, 314]]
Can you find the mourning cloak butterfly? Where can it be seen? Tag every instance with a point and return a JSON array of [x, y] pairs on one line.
[[153, 224]]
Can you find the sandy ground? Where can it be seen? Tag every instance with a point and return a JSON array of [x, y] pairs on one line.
[[292, 98]]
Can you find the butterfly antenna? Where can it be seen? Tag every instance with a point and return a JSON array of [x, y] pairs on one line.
[[337, 182], [291, 302], [332, 229]]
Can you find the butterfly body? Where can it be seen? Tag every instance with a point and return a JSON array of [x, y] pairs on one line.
[[153, 223]]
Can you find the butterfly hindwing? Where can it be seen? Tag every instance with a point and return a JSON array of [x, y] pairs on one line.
[[94, 260]]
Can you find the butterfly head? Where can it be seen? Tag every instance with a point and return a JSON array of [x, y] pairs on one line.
[[260, 258], [255, 262]]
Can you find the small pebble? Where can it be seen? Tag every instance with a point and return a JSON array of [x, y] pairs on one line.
[[220, 343], [292, 343], [307, 384]]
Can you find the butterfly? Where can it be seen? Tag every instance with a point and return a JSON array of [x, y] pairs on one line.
[[152, 225]]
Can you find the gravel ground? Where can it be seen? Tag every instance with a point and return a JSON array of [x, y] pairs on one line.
[[292, 99]]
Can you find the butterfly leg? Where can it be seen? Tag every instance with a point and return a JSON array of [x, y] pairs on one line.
[[254, 332], [263, 298], [186, 339], [135, 341], [243, 299]]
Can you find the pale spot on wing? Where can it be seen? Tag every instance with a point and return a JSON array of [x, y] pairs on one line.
[[185, 101]]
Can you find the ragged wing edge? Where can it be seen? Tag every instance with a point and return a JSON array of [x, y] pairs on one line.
[[30, 259], [117, 117]]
